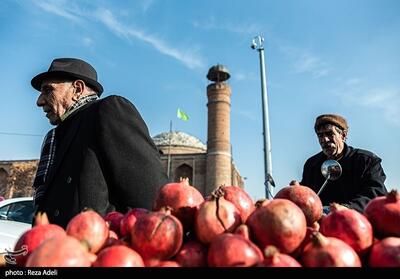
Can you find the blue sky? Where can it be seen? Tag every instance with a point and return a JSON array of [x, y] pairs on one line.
[[337, 56]]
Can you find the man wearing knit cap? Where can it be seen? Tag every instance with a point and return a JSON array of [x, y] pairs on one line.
[[362, 176]]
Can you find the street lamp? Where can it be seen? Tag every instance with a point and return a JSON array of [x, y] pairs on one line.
[[258, 44]]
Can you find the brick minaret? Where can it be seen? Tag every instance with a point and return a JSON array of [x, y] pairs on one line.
[[219, 159]]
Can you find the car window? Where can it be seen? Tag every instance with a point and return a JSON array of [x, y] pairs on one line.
[[21, 212], [4, 211]]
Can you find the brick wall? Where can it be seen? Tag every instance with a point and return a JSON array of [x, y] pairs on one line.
[[16, 178]]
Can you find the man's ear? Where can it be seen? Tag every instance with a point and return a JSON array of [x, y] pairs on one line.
[[344, 135], [79, 86]]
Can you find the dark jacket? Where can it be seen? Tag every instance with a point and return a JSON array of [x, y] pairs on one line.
[[105, 160], [362, 178]]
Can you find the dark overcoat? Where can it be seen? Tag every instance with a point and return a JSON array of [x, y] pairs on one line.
[[105, 160]]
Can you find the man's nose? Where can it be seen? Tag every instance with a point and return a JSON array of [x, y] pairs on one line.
[[324, 139], [40, 100]]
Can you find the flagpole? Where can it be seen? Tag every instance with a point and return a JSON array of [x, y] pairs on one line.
[[169, 150]]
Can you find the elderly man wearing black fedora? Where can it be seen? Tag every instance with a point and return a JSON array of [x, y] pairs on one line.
[[100, 154], [362, 176]]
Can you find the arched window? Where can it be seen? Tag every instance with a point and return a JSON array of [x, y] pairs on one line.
[[184, 170]]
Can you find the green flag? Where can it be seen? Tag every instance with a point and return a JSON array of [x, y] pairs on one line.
[[182, 115]]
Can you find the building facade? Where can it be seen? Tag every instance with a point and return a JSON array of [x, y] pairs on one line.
[[183, 155], [16, 178]]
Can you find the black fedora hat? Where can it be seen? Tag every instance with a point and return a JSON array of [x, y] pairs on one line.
[[69, 68]]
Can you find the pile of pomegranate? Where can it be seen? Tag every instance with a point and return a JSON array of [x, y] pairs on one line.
[[225, 229]]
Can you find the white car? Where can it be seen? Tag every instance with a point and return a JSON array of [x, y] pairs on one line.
[[15, 218]]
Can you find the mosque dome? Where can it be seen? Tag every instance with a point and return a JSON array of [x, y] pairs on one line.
[[178, 142]]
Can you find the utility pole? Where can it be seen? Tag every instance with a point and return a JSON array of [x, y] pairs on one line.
[[169, 151], [258, 44]]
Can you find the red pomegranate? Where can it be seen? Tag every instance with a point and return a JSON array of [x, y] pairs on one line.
[[215, 216], [64, 251], [329, 252], [118, 256], [385, 253], [112, 234], [305, 198], [167, 264], [129, 220], [182, 198], [243, 231], [273, 258], [112, 242], [240, 199], [384, 214], [348, 225], [280, 223], [113, 219], [32, 238], [261, 202], [41, 219], [157, 235], [192, 254], [307, 239], [158, 263], [233, 250], [316, 226], [90, 228]]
